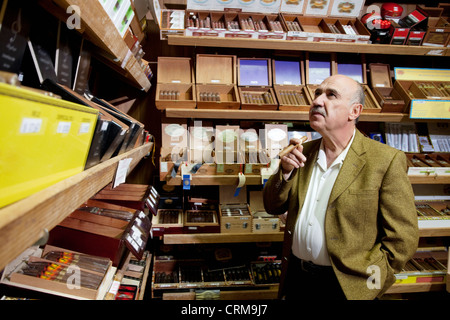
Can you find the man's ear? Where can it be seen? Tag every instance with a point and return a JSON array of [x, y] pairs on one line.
[[355, 111]]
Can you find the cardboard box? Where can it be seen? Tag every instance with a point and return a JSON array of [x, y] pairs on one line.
[[289, 85], [262, 222], [175, 87], [234, 211], [216, 82], [44, 140], [255, 84], [383, 90]]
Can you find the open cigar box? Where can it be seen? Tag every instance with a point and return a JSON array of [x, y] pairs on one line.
[[174, 149], [426, 92], [289, 85], [61, 272], [97, 233], [354, 66], [428, 164], [175, 87], [254, 154], [433, 213], [262, 222], [201, 216], [201, 23], [235, 28], [228, 156], [165, 274], [255, 84], [234, 211], [169, 217], [383, 89], [216, 82]]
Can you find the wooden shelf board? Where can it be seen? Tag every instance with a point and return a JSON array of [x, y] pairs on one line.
[[305, 46], [416, 287], [272, 115], [431, 179], [204, 180], [23, 222], [434, 232], [222, 238]]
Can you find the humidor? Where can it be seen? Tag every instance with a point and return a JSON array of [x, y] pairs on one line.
[[383, 90], [176, 83], [255, 84], [91, 285], [289, 85], [216, 82]]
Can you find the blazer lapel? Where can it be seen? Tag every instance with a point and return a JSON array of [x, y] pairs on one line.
[[351, 167]]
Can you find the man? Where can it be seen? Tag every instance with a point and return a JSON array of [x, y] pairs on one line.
[[351, 219]]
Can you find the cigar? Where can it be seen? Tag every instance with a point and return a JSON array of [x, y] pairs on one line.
[[291, 147]]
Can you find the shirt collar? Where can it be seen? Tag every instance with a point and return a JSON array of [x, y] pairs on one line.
[[322, 159]]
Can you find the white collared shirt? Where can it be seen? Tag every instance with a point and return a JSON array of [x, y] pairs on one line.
[[309, 235]]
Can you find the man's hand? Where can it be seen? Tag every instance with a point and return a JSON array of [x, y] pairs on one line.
[[293, 160]]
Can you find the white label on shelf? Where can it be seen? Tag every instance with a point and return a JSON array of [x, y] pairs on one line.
[[63, 127], [84, 127], [31, 125], [104, 126]]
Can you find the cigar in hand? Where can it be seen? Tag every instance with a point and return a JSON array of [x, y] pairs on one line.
[[291, 147]]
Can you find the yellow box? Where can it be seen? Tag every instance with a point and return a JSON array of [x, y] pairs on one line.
[[43, 140]]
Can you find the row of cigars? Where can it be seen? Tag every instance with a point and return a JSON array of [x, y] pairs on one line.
[[282, 82]]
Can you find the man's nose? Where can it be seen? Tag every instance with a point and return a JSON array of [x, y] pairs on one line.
[[319, 100]]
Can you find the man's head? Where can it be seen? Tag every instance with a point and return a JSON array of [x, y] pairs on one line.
[[337, 104]]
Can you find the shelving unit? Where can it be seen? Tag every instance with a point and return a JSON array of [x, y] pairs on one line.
[[23, 222], [100, 30]]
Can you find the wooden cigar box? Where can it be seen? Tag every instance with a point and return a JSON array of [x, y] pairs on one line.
[[269, 26], [289, 84], [176, 83], [354, 66], [167, 221], [425, 91], [127, 195], [253, 152], [228, 156], [255, 84], [165, 274], [14, 275], [276, 138], [262, 222], [198, 23], [216, 82], [112, 237], [383, 90], [234, 212], [201, 221], [235, 27]]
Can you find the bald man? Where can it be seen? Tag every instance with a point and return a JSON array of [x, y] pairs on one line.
[[351, 219]]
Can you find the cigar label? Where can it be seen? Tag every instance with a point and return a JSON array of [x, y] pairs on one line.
[[291, 147]]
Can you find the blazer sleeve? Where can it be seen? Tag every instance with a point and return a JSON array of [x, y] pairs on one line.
[[276, 192], [398, 215]]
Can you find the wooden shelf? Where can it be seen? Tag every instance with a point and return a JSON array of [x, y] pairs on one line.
[[98, 28], [202, 238], [431, 179], [274, 115], [416, 287], [23, 223], [306, 46]]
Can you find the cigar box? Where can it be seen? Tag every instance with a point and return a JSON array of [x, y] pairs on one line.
[[426, 92], [276, 139], [265, 273], [262, 222], [167, 221], [254, 154], [126, 194], [415, 38], [268, 26], [415, 18], [165, 274], [198, 23], [425, 267], [228, 156], [234, 212], [289, 85], [438, 33], [171, 22], [110, 131], [201, 221], [112, 237], [433, 213], [417, 167], [174, 149], [238, 276], [255, 84], [92, 285], [175, 87], [201, 144], [318, 67], [44, 140], [236, 26], [354, 66], [216, 82], [383, 90]]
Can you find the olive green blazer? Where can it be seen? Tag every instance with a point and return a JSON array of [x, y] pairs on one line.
[[370, 221]]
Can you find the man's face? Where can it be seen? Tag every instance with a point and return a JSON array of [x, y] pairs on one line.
[[331, 108]]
